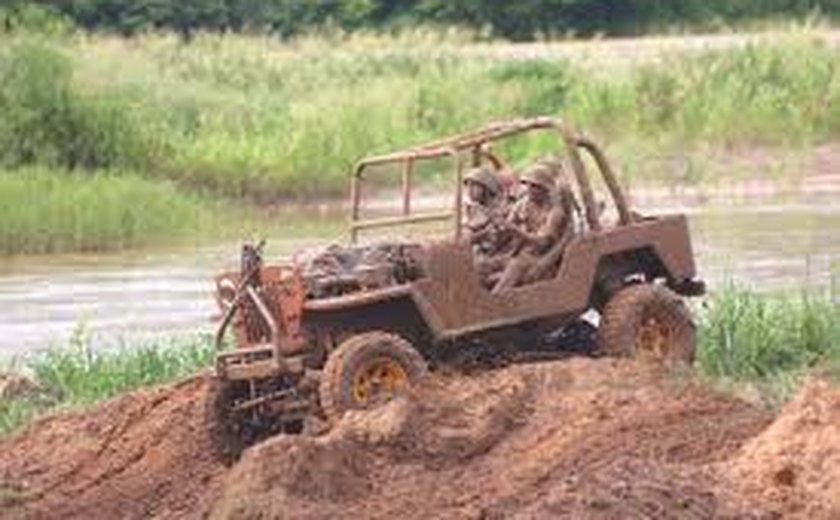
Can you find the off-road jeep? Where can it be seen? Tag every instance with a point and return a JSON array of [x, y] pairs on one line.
[[345, 337]]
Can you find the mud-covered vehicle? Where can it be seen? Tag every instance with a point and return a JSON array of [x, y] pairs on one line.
[[347, 329]]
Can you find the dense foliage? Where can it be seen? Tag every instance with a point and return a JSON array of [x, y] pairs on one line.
[[261, 119], [517, 19]]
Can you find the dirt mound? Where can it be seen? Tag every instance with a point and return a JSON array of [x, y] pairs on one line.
[[794, 466], [580, 438], [143, 454], [448, 422], [576, 439], [444, 425]]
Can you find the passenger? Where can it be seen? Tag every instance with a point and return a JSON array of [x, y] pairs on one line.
[[486, 212], [540, 220]]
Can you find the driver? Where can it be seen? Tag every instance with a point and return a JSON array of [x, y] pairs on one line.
[[539, 220]]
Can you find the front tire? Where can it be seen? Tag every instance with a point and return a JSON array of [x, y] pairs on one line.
[[650, 322], [368, 369]]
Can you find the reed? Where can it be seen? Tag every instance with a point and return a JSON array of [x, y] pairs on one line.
[[768, 341], [47, 211], [255, 117]]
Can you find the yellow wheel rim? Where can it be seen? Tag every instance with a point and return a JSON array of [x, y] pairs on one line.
[[653, 337], [378, 379]]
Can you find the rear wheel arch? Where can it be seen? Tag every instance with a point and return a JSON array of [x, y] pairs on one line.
[[400, 316], [622, 268]]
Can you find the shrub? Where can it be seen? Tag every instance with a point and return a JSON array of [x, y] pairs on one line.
[[46, 120]]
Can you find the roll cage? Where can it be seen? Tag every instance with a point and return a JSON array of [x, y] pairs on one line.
[[476, 145]]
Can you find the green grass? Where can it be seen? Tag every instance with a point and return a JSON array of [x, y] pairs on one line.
[[15, 413], [768, 342], [256, 117], [46, 211], [76, 375]]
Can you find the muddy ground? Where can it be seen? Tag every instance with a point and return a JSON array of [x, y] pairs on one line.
[[580, 438]]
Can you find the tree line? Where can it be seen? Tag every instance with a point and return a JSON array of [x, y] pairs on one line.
[[513, 19]]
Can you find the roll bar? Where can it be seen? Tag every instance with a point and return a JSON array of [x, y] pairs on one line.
[[476, 143], [357, 224]]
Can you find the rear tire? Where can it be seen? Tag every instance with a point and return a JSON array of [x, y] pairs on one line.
[[647, 321], [368, 369]]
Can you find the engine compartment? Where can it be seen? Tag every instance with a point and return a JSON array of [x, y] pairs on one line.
[[338, 270]]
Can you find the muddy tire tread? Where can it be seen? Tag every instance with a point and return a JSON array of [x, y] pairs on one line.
[[623, 313], [330, 387]]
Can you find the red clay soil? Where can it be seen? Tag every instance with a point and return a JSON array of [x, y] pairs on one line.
[[145, 454], [574, 439], [794, 465]]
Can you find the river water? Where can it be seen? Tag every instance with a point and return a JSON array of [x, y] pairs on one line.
[[764, 241]]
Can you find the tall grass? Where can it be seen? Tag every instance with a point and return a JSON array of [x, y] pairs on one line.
[[296, 119], [768, 341], [76, 375], [255, 117], [768, 94], [259, 119], [48, 120], [45, 211]]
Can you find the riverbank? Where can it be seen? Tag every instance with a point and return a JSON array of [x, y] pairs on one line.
[[51, 211], [769, 236], [757, 346]]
